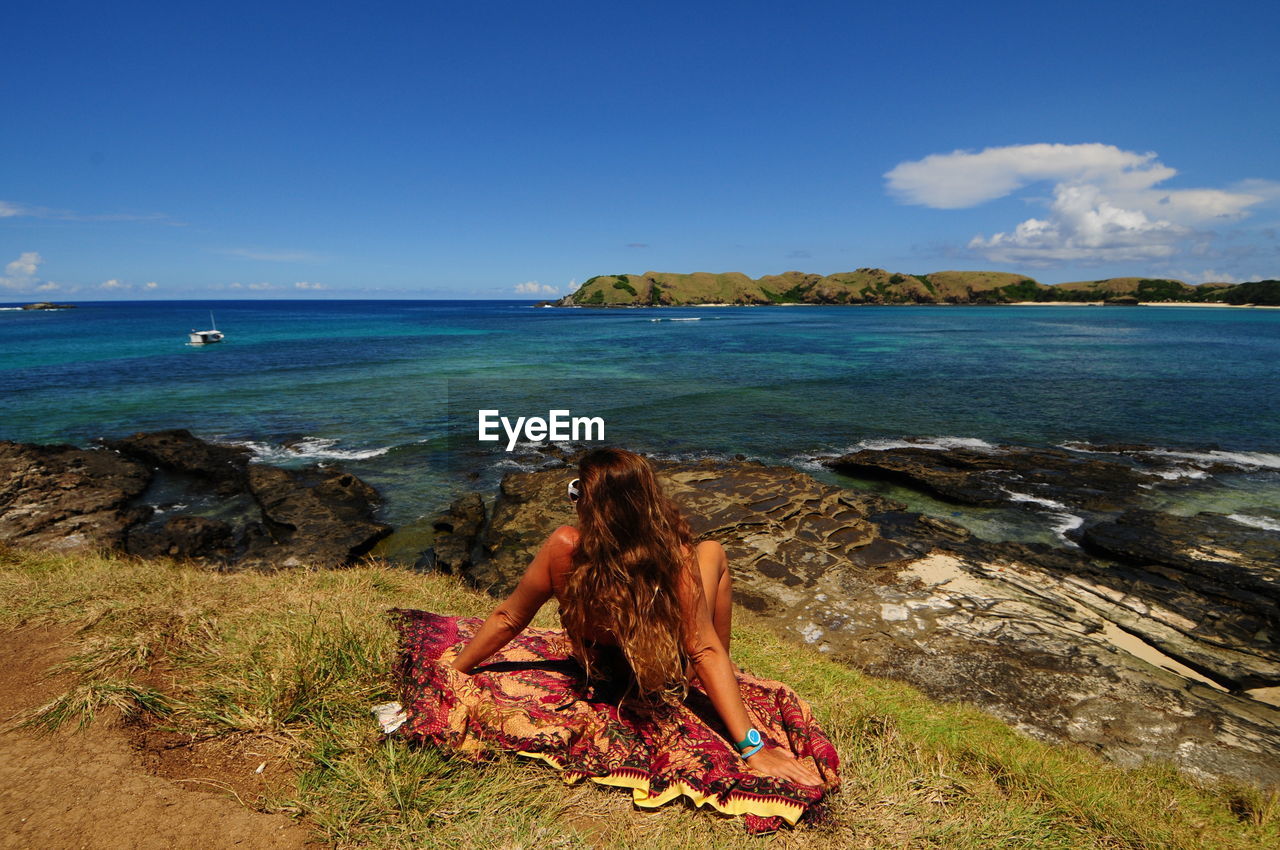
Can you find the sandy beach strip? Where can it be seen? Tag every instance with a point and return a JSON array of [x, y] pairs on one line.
[[1008, 304], [1139, 304], [1207, 304]]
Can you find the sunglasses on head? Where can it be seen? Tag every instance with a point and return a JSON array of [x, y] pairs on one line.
[[574, 492]]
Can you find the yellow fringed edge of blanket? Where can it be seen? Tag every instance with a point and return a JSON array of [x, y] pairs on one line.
[[737, 804]]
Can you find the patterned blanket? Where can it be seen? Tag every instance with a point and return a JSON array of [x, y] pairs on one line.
[[532, 698]]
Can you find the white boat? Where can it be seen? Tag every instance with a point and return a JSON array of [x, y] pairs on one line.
[[206, 337]]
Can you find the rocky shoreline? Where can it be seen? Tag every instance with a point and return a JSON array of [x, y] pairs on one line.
[[169, 493], [1145, 635]]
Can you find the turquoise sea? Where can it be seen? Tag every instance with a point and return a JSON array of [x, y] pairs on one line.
[[391, 389]]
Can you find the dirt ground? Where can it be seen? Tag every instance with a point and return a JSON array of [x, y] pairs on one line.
[[115, 785]]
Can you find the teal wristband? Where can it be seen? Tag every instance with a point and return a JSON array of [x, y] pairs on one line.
[[749, 753], [753, 739]]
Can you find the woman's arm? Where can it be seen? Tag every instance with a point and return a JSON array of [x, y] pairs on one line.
[[711, 661], [517, 610]]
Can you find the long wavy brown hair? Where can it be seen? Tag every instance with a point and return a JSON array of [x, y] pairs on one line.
[[634, 551]]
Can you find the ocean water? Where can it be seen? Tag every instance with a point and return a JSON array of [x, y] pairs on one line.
[[391, 389]]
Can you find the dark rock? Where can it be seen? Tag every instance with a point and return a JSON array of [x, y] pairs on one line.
[[316, 517], [1211, 586], [185, 537], [1208, 544], [1032, 477], [552, 450], [179, 451], [62, 497], [456, 533], [529, 506], [48, 305], [945, 528]]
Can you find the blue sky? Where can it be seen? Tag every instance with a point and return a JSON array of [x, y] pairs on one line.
[[493, 150]]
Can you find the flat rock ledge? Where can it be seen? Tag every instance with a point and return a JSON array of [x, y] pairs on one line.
[[171, 494], [1140, 659]]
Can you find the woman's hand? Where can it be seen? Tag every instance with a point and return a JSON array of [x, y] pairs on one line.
[[775, 761]]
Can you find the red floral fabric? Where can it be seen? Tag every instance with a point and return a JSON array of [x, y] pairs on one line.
[[532, 698]]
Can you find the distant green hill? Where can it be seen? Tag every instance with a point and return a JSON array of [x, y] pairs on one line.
[[878, 286], [862, 286], [1144, 289], [1265, 292]]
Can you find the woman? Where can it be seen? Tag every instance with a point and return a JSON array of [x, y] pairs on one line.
[[634, 589]]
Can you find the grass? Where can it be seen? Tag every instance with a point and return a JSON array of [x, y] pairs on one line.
[[298, 657]]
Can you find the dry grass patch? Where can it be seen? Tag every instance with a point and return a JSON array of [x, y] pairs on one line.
[[293, 660]]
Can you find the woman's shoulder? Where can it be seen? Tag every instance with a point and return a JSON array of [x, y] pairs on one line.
[[565, 535], [561, 544], [700, 548]]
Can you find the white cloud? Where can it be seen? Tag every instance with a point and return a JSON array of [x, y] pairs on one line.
[[151, 284], [1107, 202], [114, 284], [20, 275], [302, 284], [1083, 225], [532, 287], [25, 265], [9, 209], [964, 179], [261, 285]]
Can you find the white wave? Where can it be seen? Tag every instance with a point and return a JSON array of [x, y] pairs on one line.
[[526, 457], [1066, 522], [679, 319], [1034, 500], [1266, 523], [1082, 446], [934, 443], [1063, 519], [1090, 448], [1244, 460], [941, 444], [809, 463], [308, 448], [10, 308], [1178, 472]]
